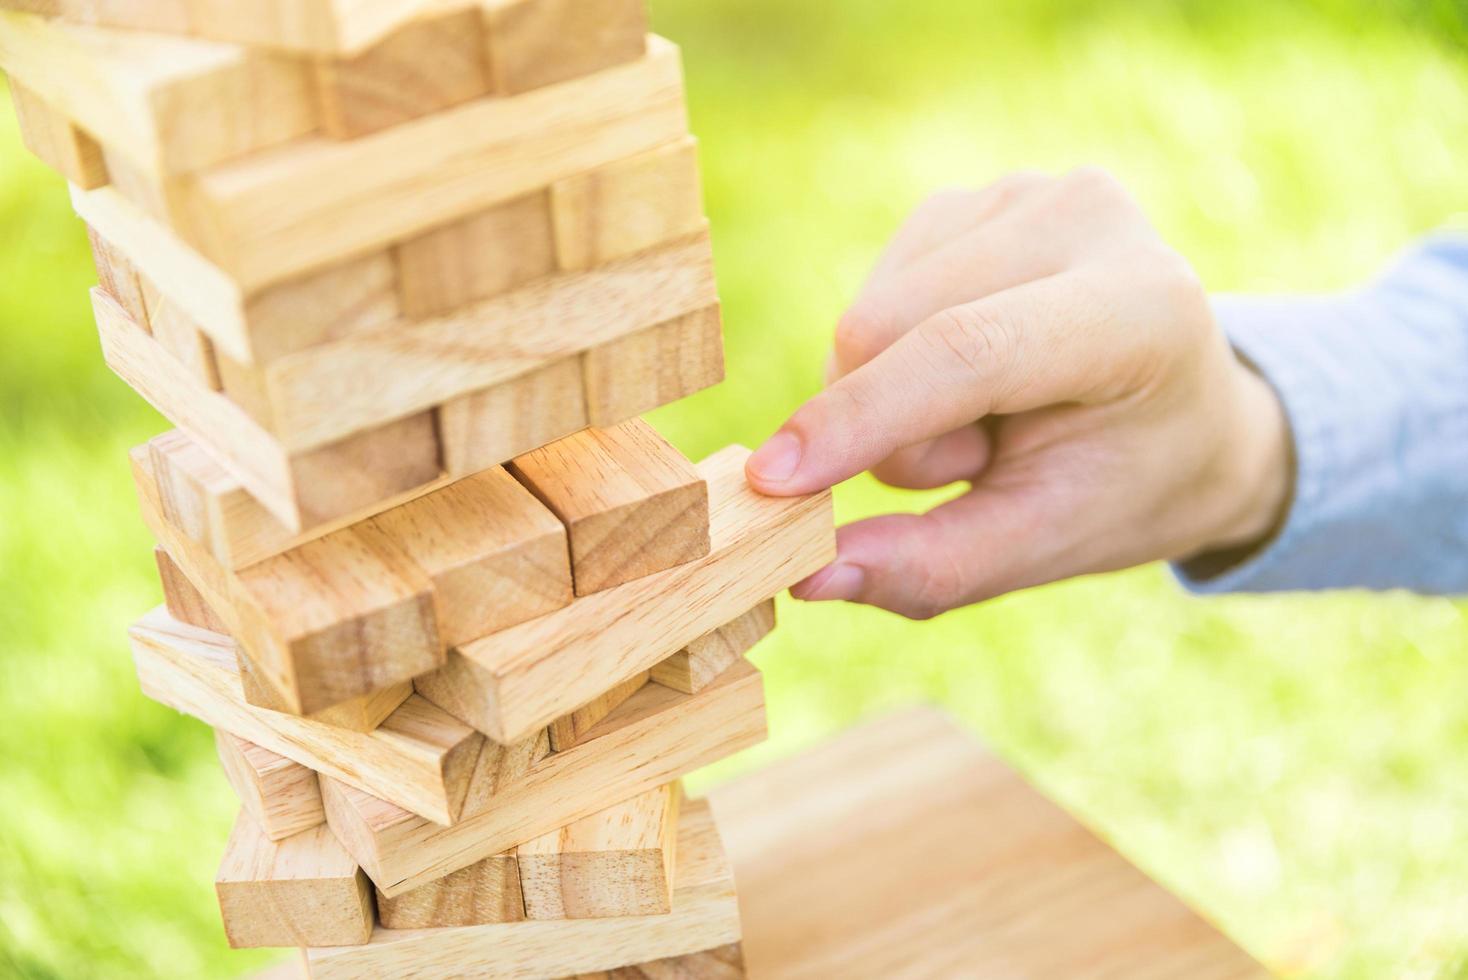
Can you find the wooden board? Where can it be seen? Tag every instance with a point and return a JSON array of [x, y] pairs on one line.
[[904, 849], [284, 211], [181, 337], [720, 963], [571, 728], [694, 667], [171, 104], [360, 714], [705, 915], [494, 556], [625, 207], [304, 890], [496, 424], [618, 861], [183, 601], [60, 145], [651, 739], [281, 797], [632, 504], [420, 68], [487, 891], [653, 366], [119, 278], [420, 758], [523, 678], [533, 43]]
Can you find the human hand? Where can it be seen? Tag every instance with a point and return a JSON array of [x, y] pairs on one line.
[[1040, 341]]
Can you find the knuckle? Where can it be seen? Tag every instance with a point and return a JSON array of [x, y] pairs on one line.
[[938, 587], [1181, 293], [974, 338], [1091, 180]]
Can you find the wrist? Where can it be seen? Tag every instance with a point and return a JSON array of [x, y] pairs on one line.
[[1260, 453]]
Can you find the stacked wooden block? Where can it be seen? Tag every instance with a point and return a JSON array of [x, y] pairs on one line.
[[405, 274]]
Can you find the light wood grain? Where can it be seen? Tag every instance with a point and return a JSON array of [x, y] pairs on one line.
[[359, 714], [303, 890], [627, 206], [494, 555], [651, 739], [492, 426], [477, 257], [523, 678], [485, 892], [632, 504], [691, 669], [183, 601], [282, 797], [119, 278], [720, 963], [705, 915], [533, 43], [181, 337], [171, 104], [654, 366], [861, 859], [420, 68], [420, 758], [618, 861], [571, 728], [284, 211], [331, 390], [60, 145]]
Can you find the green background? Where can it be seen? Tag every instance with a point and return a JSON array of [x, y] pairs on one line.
[[1296, 767]]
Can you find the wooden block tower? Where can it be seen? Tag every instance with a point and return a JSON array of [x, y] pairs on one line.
[[404, 274]]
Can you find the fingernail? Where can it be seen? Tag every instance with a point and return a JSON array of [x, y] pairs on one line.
[[778, 459], [836, 581]]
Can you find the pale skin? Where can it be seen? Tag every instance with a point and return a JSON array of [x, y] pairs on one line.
[[1037, 340]]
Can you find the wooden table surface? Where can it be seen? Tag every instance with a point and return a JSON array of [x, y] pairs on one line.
[[904, 849]]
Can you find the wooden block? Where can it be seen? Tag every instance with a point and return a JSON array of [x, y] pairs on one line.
[[325, 392], [359, 714], [489, 427], [184, 602], [628, 206], [720, 963], [478, 257], [282, 797], [523, 678], [281, 212], [119, 279], [180, 336], [303, 890], [631, 503], [340, 300], [691, 669], [59, 144], [494, 555], [301, 489], [485, 892], [337, 618], [655, 366], [539, 42], [569, 729], [618, 861], [705, 915], [171, 104], [420, 758], [651, 739], [421, 68]]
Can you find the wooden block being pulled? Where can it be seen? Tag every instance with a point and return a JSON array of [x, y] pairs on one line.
[[691, 669], [282, 797], [494, 555], [487, 891], [653, 738], [474, 258], [420, 758], [632, 504], [569, 729], [538, 42], [59, 144], [493, 426], [172, 104], [183, 601], [654, 366], [627, 206], [720, 963], [303, 890], [618, 861], [420, 68], [523, 678], [705, 915]]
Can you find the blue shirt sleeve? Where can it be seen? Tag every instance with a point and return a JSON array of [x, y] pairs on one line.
[[1375, 387]]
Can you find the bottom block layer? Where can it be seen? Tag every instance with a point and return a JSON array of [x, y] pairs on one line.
[[705, 916]]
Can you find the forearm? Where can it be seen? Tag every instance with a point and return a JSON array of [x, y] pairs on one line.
[[1375, 388]]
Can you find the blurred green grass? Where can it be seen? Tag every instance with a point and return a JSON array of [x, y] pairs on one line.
[[1296, 767]]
